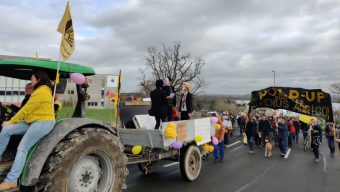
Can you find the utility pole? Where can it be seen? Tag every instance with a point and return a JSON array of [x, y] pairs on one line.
[[274, 77]]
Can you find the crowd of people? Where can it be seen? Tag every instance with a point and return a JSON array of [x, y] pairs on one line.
[[284, 131]]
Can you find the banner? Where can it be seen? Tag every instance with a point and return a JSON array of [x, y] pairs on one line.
[[312, 102], [66, 29]]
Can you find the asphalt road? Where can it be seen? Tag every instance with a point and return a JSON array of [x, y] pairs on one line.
[[244, 172]]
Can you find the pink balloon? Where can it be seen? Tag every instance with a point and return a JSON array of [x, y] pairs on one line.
[[78, 78], [177, 145], [214, 140], [213, 119]]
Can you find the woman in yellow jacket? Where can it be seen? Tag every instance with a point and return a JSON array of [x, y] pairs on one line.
[[33, 121]]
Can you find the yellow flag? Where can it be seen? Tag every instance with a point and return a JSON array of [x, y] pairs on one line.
[[37, 56], [66, 29]]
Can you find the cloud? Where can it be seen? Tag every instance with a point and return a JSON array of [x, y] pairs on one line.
[[241, 41]]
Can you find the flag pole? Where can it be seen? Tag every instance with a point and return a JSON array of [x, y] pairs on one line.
[[118, 92], [56, 81]]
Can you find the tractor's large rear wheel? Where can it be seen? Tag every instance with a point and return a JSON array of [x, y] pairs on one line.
[[87, 160]]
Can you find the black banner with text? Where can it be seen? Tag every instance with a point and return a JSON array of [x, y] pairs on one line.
[[313, 102]]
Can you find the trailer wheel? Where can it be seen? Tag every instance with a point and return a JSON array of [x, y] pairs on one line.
[[190, 163], [87, 160], [147, 168]]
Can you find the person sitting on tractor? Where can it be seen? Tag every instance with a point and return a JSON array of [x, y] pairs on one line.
[[34, 120], [28, 93]]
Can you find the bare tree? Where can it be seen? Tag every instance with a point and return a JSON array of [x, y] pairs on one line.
[[335, 88], [169, 62]]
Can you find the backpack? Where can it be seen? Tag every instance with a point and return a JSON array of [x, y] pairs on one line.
[[331, 133], [292, 129]]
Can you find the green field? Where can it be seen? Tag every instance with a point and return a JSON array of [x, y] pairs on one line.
[[99, 114]]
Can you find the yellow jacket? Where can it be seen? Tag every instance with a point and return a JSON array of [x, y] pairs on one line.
[[37, 108]]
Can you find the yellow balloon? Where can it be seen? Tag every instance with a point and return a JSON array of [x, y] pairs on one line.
[[172, 125], [170, 133], [206, 148], [198, 138], [217, 126], [136, 149], [211, 148]]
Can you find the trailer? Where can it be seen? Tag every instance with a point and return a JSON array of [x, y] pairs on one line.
[[156, 146]]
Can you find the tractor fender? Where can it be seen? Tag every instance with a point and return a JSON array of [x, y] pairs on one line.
[[34, 164]]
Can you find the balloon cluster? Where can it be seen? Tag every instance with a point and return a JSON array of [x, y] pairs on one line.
[[111, 95], [170, 131], [208, 148]]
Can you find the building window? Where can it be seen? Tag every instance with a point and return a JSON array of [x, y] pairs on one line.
[[103, 83], [70, 92], [102, 103], [92, 103], [102, 92]]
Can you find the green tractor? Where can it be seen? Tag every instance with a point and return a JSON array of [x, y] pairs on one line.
[[79, 154]]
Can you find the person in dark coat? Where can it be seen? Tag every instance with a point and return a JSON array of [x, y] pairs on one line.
[[28, 93], [185, 106], [297, 126], [316, 134], [250, 131], [266, 129], [159, 103], [282, 136], [171, 98]]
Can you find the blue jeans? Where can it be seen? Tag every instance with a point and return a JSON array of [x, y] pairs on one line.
[[32, 134], [316, 151], [274, 132], [219, 150], [296, 136], [283, 143], [331, 145], [251, 143]]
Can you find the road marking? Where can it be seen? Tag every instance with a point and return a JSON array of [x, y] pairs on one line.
[[233, 144], [324, 162], [130, 185], [254, 181], [171, 164], [238, 154], [237, 148], [173, 172], [287, 154]]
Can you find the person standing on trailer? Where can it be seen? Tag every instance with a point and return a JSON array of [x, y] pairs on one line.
[[159, 104], [171, 98], [185, 106]]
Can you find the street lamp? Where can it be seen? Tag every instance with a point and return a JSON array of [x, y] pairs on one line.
[[274, 77]]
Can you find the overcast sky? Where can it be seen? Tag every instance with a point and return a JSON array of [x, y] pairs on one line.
[[241, 41]]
